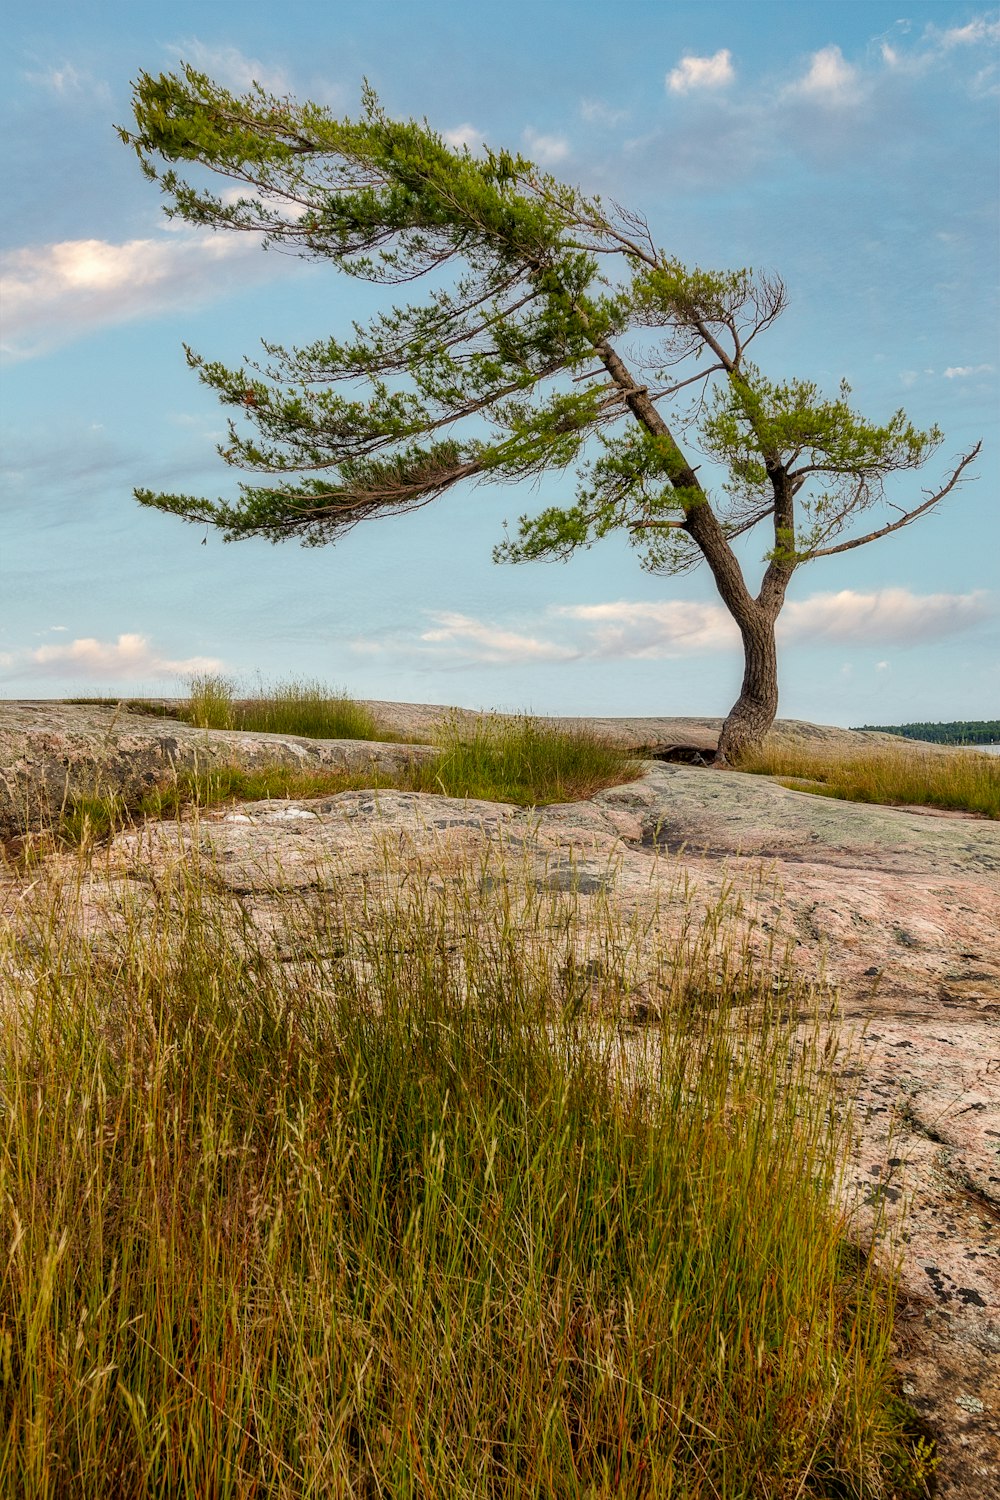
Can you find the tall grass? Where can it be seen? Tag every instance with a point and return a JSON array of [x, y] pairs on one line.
[[403, 1217], [960, 779], [300, 707], [525, 761]]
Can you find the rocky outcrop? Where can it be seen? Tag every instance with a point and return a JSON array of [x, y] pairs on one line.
[[897, 913], [51, 751]]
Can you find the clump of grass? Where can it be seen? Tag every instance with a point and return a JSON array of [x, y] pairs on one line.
[[525, 761], [294, 707], [960, 779], [388, 1220]]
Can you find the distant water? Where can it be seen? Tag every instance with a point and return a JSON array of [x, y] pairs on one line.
[[984, 749]]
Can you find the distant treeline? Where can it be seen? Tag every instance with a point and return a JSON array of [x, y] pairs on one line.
[[961, 732]]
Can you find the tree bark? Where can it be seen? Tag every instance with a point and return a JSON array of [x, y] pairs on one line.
[[755, 709], [753, 713]]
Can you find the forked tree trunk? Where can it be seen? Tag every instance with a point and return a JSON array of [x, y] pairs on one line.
[[753, 713]]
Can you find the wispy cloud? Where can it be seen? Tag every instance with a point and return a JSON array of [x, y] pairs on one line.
[[69, 83], [893, 616], [691, 73], [936, 45], [652, 629], [231, 67], [959, 372], [674, 627], [51, 293], [633, 630], [129, 658], [596, 112], [547, 149], [492, 643], [973, 34]]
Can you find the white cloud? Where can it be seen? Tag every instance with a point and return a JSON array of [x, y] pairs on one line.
[[675, 627], [885, 616], [830, 79], [713, 72], [959, 372], [672, 627], [130, 657], [635, 630], [491, 643], [231, 67], [547, 149], [53, 292], [466, 135]]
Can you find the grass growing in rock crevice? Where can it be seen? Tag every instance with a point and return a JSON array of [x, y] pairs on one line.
[[524, 761], [957, 779], [499, 760], [297, 707], [391, 1220]]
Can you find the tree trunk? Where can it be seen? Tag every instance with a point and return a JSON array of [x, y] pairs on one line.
[[753, 713]]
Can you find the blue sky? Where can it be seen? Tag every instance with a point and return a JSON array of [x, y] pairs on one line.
[[851, 147]]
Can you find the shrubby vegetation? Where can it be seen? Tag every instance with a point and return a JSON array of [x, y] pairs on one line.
[[954, 732]]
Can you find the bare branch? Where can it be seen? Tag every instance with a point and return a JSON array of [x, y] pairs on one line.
[[911, 515]]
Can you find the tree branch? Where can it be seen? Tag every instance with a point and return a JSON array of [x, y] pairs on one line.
[[911, 515]]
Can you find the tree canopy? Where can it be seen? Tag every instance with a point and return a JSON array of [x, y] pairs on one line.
[[513, 362]]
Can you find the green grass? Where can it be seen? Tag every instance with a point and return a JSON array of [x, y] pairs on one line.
[[963, 780], [524, 761], [404, 1217], [294, 707]]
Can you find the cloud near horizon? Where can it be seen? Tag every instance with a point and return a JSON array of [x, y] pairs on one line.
[[891, 616], [131, 657], [646, 629]]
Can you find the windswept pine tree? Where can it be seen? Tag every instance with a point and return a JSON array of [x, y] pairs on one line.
[[517, 365]]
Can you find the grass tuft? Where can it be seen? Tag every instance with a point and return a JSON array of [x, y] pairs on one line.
[[963, 780], [304, 708], [524, 761]]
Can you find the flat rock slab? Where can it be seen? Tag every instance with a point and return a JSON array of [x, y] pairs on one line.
[[652, 733]]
